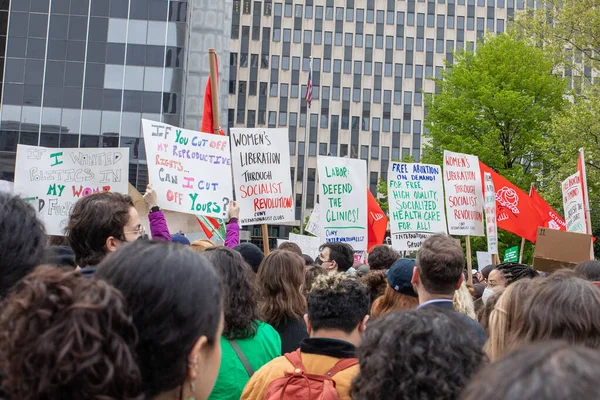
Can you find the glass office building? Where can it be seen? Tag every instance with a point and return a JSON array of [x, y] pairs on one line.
[[83, 73]]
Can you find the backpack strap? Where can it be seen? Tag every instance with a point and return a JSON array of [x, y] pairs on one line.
[[295, 358], [341, 365], [242, 357]]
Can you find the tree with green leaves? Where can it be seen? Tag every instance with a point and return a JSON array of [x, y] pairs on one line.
[[496, 103]]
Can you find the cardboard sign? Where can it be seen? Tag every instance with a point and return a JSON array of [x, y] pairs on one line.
[[490, 213], [343, 195], [484, 258], [191, 171], [416, 200], [261, 170], [308, 244], [552, 254], [572, 191], [511, 254], [54, 179], [464, 197], [314, 222]]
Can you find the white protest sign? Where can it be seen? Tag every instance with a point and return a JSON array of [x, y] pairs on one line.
[[6, 186], [314, 222], [343, 196], [261, 171], [464, 197], [416, 200], [490, 213], [308, 244], [53, 179], [572, 191], [484, 258], [190, 170]]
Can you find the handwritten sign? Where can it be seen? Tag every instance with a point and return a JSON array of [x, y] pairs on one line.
[[416, 200], [308, 244], [572, 191], [343, 194], [54, 179], [314, 222], [464, 197], [490, 213], [191, 171], [261, 170]]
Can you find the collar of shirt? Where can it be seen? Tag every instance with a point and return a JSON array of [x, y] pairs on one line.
[[434, 301]]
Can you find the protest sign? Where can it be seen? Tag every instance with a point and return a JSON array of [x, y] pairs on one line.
[[308, 244], [490, 213], [261, 171], [191, 171], [416, 201], [572, 191], [511, 254], [314, 222], [464, 197], [484, 258], [343, 195], [54, 179]]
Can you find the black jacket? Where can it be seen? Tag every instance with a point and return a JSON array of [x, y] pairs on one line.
[[475, 327]]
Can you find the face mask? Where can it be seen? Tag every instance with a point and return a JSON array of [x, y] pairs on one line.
[[486, 294]]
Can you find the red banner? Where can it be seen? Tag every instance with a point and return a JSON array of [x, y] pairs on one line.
[[550, 218], [377, 222]]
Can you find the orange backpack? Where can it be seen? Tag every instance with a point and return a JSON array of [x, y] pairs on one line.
[[300, 385]]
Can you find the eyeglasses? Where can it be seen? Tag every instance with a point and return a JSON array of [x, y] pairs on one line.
[[140, 231]]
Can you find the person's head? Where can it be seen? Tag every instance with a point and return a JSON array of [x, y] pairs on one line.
[[484, 313], [22, 241], [417, 354], [376, 282], [440, 264], [251, 253], [561, 307], [308, 260], [240, 292], [310, 275], [202, 245], [61, 256], [508, 273], [551, 370], [336, 257], [399, 295], [463, 301], [174, 298], [382, 257], [63, 336], [506, 316], [588, 270], [180, 238], [99, 224], [280, 278], [485, 271], [290, 246], [338, 304]]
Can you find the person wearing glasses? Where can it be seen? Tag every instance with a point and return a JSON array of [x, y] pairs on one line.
[[99, 224]]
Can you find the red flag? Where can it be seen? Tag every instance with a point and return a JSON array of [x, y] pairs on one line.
[[550, 218], [207, 112], [377, 222], [515, 209]]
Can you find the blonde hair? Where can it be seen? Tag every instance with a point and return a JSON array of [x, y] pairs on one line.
[[201, 245], [463, 301], [505, 319]]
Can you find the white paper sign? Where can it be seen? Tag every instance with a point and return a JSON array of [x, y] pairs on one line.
[[261, 170], [343, 196], [314, 222], [484, 258], [573, 203], [190, 170], [416, 200], [53, 179], [464, 197], [490, 213], [308, 244]]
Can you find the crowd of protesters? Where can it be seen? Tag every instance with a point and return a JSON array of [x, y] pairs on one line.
[[109, 312]]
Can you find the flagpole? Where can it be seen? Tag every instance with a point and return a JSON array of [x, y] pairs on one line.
[[212, 59], [586, 200], [306, 147]]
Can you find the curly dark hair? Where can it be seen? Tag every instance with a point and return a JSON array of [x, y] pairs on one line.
[[418, 354], [240, 292], [552, 370], [512, 272], [376, 281], [382, 257], [337, 301], [22, 240], [63, 336]]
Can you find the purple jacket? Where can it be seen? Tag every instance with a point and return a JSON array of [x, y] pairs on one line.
[[158, 226], [232, 230]]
